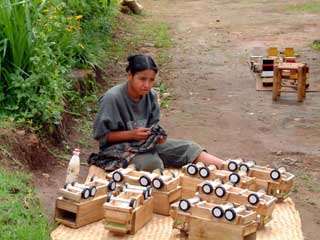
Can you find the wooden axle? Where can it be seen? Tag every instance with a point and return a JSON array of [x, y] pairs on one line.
[[145, 192], [92, 189], [131, 202], [148, 189], [110, 184], [85, 193]]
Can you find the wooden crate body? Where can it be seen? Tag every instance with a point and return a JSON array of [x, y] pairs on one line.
[[213, 230], [181, 220], [189, 186], [239, 196], [162, 200], [277, 188], [123, 219], [78, 214]]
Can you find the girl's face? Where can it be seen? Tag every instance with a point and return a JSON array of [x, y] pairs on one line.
[[141, 83]]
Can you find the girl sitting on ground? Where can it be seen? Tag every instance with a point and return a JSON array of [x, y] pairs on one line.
[[128, 111]]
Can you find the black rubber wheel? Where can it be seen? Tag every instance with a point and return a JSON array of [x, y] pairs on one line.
[[112, 185], [192, 169], [93, 191], [244, 167], [253, 199], [109, 197], [207, 188], [92, 179], [232, 166], [234, 178], [73, 183], [144, 181], [117, 176], [85, 194], [230, 214], [204, 172], [275, 174], [65, 185], [184, 205], [220, 191], [157, 183], [133, 203], [217, 212]]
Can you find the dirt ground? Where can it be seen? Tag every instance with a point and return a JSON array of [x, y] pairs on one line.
[[214, 98]]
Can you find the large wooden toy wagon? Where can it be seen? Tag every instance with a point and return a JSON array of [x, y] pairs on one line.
[[131, 176], [166, 191], [239, 179], [276, 182], [129, 211], [203, 220], [216, 192], [81, 204]]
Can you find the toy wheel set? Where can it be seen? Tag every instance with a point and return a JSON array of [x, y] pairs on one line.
[[276, 182]]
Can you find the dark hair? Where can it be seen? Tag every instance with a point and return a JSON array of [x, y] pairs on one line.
[[138, 63]]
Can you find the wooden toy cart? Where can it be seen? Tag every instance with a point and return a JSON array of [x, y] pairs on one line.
[[239, 179], [276, 182], [226, 221], [166, 191], [81, 204], [131, 176], [127, 213], [216, 192], [77, 214]]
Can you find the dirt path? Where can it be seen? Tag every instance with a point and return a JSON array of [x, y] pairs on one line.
[[215, 102], [215, 92]]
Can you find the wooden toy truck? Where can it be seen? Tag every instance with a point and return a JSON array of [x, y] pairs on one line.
[[166, 187], [81, 204], [131, 176], [239, 179], [203, 220], [166, 191], [216, 192], [128, 212], [276, 182]]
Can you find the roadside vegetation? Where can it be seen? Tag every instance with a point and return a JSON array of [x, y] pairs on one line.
[[43, 44], [307, 7], [20, 213]]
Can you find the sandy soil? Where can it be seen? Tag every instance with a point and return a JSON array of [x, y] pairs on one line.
[[215, 102]]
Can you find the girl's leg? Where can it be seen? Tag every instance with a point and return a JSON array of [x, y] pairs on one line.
[[209, 159], [147, 162]]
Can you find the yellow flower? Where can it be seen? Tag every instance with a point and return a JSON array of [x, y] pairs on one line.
[[45, 10], [79, 17], [81, 45]]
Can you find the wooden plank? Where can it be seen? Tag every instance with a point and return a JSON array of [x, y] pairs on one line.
[[162, 200], [142, 215]]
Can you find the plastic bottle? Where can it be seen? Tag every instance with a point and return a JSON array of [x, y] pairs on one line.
[[73, 167]]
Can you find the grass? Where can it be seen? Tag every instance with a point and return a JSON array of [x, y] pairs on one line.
[[20, 213], [309, 7]]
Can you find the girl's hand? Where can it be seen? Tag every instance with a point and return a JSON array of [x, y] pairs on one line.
[[140, 133], [161, 140]]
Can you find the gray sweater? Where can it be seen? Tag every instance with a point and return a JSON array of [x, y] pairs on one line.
[[119, 112]]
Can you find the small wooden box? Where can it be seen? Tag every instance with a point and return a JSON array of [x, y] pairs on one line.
[[77, 214], [162, 200], [123, 220], [189, 186]]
